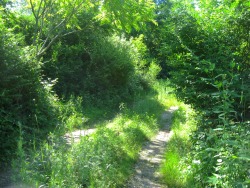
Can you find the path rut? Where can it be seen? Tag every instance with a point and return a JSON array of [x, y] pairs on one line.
[[146, 173]]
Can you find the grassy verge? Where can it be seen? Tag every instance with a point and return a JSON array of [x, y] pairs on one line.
[[175, 170], [103, 159]]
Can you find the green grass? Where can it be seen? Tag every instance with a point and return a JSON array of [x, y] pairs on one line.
[[103, 159], [175, 170]]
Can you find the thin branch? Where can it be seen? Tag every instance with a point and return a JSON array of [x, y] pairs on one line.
[[46, 44], [69, 33], [33, 10], [39, 8], [42, 50]]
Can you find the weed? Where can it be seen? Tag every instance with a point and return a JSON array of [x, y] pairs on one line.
[[175, 170], [102, 159]]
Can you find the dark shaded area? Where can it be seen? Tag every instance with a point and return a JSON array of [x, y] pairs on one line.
[[5, 176]]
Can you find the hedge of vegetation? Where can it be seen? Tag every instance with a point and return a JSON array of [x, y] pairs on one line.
[[206, 46]]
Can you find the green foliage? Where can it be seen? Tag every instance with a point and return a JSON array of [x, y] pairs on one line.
[[176, 169], [205, 60], [104, 70], [111, 63], [25, 99], [103, 159], [53, 20], [161, 40], [226, 149], [56, 19], [210, 71], [127, 15], [145, 66], [3, 3]]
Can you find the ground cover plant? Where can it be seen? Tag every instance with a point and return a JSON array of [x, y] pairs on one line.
[[72, 64], [209, 63], [176, 169], [103, 159]]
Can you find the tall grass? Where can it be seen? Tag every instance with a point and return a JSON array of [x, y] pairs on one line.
[[175, 169], [103, 159]]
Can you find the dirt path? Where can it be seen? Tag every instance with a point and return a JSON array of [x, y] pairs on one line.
[[152, 154], [145, 175], [75, 136], [72, 137]]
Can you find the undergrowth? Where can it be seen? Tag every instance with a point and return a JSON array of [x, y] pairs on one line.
[[176, 169], [102, 159]]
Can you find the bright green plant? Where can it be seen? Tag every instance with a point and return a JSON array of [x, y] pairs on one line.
[[127, 15], [176, 169], [26, 99], [210, 71], [103, 159]]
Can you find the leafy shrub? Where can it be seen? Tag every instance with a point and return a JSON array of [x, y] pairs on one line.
[[226, 149], [105, 70], [210, 72], [111, 64], [25, 100]]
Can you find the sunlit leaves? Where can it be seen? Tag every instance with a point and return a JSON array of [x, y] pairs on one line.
[[210, 70], [127, 14], [56, 18]]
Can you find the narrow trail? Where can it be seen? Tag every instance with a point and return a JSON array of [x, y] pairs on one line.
[[75, 136], [151, 156]]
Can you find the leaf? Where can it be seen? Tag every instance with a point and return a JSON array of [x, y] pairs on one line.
[[212, 66], [212, 149], [213, 179], [218, 129], [244, 158], [232, 64], [218, 84]]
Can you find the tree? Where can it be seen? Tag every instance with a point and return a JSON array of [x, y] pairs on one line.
[[56, 18], [129, 14]]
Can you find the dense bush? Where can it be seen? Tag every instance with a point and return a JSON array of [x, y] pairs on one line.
[[106, 69], [226, 149], [26, 102], [210, 70]]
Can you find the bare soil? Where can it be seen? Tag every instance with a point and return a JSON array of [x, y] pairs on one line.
[[146, 173], [75, 136]]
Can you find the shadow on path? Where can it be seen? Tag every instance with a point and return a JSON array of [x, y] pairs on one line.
[[151, 156]]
